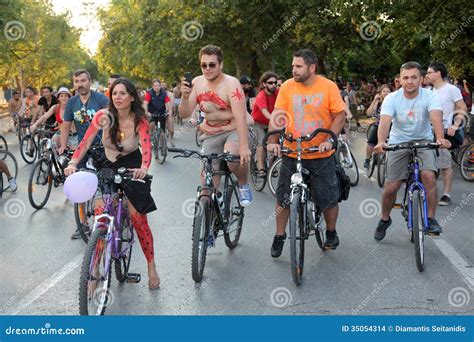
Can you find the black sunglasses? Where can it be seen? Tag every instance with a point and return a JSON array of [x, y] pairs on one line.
[[210, 65], [272, 82]]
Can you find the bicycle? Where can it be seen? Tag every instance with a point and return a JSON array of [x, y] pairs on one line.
[[415, 205], [273, 175], [112, 239], [30, 145], [48, 170], [466, 164], [347, 160], [160, 145], [214, 212], [305, 217], [379, 161], [9, 159], [197, 133], [3, 143]]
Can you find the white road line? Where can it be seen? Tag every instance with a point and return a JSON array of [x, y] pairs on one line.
[[460, 264], [47, 284]]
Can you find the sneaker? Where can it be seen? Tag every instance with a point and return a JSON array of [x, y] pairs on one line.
[[245, 195], [76, 235], [366, 163], [434, 227], [277, 246], [445, 200], [332, 240], [13, 185], [381, 229]]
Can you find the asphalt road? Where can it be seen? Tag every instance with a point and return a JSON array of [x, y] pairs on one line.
[[40, 263]]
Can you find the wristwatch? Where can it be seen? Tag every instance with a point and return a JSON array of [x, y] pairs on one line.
[[331, 140]]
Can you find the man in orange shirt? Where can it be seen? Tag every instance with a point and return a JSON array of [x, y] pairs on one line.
[[307, 102]]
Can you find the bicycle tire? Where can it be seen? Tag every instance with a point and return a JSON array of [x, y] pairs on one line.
[[319, 229], [122, 264], [466, 166], [201, 229], [354, 174], [296, 239], [27, 141], [273, 175], [196, 137], [160, 139], [95, 249], [84, 217], [12, 164], [1, 184], [155, 144], [373, 161], [381, 170], [258, 183], [229, 212], [42, 166], [3, 144], [418, 231]]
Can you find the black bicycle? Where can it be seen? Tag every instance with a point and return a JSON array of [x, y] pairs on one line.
[[30, 145], [3, 143], [215, 213], [159, 143], [378, 161], [305, 216]]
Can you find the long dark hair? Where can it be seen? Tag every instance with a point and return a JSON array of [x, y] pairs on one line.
[[137, 108]]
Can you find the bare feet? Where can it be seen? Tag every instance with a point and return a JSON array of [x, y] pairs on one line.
[[153, 278]]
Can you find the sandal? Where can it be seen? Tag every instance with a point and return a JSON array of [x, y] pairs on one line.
[[261, 173]]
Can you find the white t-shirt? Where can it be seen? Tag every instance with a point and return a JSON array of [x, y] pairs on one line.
[[448, 95]]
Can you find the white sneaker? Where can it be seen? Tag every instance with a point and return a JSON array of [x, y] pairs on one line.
[[13, 185]]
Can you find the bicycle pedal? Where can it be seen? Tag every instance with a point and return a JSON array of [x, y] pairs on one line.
[[397, 206], [133, 278]]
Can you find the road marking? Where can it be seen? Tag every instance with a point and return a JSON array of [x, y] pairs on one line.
[[460, 264], [47, 284]]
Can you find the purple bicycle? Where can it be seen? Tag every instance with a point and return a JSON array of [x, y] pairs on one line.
[[112, 239]]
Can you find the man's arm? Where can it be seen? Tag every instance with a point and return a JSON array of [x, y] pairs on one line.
[[436, 117], [460, 109], [338, 122], [188, 99], [384, 128], [65, 129]]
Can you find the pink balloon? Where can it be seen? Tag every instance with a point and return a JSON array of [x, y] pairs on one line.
[[80, 186]]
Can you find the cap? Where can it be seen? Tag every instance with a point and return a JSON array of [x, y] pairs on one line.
[[245, 80], [64, 90]]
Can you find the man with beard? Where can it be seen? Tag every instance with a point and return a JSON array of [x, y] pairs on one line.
[[220, 97], [262, 109], [249, 92], [81, 109], [308, 101]]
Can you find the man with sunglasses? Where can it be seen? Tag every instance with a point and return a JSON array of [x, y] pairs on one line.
[[262, 109], [81, 109], [225, 128]]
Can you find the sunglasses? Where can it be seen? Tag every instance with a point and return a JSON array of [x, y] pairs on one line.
[[210, 65], [271, 83]]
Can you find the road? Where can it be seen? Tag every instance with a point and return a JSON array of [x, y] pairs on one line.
[[40, 263]]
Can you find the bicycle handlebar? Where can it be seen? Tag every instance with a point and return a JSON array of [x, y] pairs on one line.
[[307, 137], [411, 146], [213, 156]]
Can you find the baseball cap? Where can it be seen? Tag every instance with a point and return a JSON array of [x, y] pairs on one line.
[[245, 80]]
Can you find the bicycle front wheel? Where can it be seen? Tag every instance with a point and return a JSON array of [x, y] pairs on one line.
[[466, 165], [94, 283], [273, 175], [162, 148], [381, 170], [297, 238], [9, 159], [349, 164], [28, 149], [84, 216], [3, 144], [373, 161], [201, 235], [258, 182], [40, 183], [196, 136], [418, 231], [233, 217]]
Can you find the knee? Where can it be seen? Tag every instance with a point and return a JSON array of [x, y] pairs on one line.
[[428, 177]]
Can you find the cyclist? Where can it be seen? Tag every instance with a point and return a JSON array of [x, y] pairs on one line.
[[46, 101], [121, 140], [29, 105], [81, 109], [157, 105], [169, 119], [410, 111], [14, 106], [309, 101], [262, 109], [225, 128], [249, 92], [177, 100], [280, 80], [374, 111], [6, 171], [57, 111], [452, 102]]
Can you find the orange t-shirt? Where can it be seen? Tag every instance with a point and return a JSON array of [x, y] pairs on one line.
[[307, 108]]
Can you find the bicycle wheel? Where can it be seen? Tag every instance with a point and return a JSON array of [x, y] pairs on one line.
[[122, 264], [196, 137], [258, 182], [155, 143], [297, 239], [3, 143], [349, 163], [8, 158], [40, 183], [94, 282], [201, 228], [319, 230], [273, 175], [466, 166], [233, 217], [161, 145], [418, 231], [373, 161], [84, 216], [381, 170], [28, 149], [1, 184]]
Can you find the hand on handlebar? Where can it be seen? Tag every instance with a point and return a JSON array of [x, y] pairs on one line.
[[380, 148], [443, 143], [139, 173], [325, 146], [70, 170]]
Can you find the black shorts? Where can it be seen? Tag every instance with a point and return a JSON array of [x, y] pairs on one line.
[[322, 179], [159, 118], [372, 134]]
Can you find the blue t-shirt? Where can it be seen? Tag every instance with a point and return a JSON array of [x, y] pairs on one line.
[[82, 114], [410, 117]]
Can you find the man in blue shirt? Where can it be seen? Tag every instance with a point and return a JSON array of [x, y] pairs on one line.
[[81, 108], [412, 111]]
